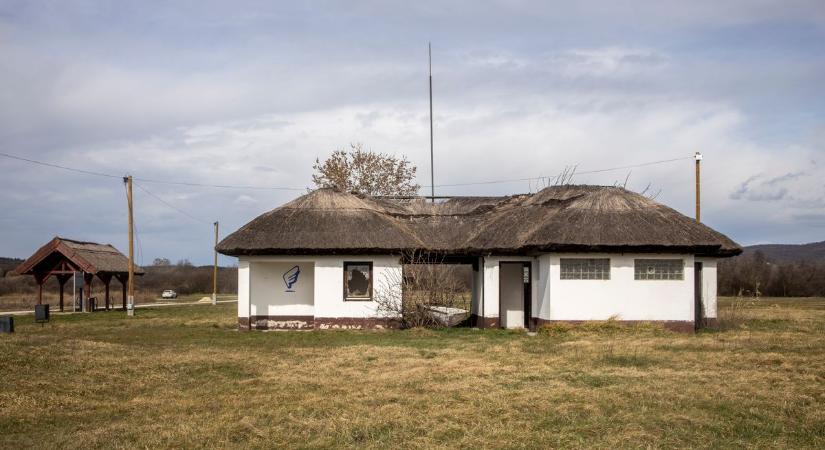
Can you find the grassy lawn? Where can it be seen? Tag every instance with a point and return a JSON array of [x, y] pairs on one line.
[[184, 377]]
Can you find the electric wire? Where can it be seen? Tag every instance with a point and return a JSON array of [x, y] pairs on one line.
[[148, 180], [158, 198]]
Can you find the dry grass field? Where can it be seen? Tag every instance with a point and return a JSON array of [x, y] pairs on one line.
[[183, 377]]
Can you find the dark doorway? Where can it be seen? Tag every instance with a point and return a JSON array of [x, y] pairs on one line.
[[698, 308]]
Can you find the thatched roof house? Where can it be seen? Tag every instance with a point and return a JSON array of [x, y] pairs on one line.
[[559, 218], [566, 253]]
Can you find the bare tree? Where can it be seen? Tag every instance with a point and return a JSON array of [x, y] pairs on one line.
[[426, 293], [366, 172]]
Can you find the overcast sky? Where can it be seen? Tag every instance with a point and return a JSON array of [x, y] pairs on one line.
[[250, 93]]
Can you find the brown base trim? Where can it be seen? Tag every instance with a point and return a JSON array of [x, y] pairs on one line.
[[484, 322], [311, 322], [681, 326]]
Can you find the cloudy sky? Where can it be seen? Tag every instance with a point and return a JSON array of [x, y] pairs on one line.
[[250, 93]]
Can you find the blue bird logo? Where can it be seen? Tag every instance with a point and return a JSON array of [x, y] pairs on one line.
[[291, 277]]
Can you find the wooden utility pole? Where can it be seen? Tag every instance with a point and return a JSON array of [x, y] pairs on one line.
[[215, 269], [432, 164], [698, 157], [130, 302]]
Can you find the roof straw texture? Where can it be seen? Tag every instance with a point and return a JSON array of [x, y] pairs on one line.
[[558, 218]]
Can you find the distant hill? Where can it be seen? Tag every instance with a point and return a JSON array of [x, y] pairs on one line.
[[8, 264], [814, 251]]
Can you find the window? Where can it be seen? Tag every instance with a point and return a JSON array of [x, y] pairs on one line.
[[358, 281], [585, 268], [659, 269]]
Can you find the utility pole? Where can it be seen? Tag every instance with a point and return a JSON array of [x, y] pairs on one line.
[[698, 157], [130, 298], [215, 269], [432, 165]]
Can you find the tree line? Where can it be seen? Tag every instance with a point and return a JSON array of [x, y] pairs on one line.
[[753, 274]]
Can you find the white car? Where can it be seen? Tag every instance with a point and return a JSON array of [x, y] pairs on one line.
[[169, 294]]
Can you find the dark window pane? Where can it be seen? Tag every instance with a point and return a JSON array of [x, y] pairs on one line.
[[358, 280]]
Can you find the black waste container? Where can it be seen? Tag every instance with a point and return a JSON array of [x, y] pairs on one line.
[[41, 313], [6, 324]]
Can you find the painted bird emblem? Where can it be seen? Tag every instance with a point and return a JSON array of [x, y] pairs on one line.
[[291, 277]]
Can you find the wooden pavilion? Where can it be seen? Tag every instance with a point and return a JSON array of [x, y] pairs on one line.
[[62, 258]]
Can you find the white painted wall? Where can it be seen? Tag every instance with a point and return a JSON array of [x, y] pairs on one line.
[[243, 287], [622, 296], [259, 278], [269, 293], [709, 285], [553, 298]]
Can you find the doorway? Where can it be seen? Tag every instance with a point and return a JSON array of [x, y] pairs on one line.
[[698, 305], [515, 294]]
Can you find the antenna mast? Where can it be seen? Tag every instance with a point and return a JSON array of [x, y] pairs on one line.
[[432, 165]]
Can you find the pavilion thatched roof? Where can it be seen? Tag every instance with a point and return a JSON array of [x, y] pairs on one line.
[[89, 257], [559, 218]]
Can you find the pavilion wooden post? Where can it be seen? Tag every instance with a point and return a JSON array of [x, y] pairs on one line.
[[106, 278], [62, 279], [40, 278], [122, 287], [87, 281]]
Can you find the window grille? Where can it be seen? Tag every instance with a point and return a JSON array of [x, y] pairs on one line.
[[585, 268], [659, 269]]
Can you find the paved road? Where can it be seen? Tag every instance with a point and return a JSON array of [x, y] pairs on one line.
[[145, 305]]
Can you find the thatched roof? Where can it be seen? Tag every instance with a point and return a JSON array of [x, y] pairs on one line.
[[558, 218], [89, 257]]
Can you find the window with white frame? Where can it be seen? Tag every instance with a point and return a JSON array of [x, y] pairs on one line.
[[585, 268], [659, 269]]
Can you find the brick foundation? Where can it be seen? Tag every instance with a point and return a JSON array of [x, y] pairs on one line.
[[311, 322]]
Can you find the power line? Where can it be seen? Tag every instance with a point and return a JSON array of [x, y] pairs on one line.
[[248, 187], [222, 186], [149, 180], [513, 180], [169, 204], [57, 166]]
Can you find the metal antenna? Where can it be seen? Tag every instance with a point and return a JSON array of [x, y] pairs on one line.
[[432, 165]]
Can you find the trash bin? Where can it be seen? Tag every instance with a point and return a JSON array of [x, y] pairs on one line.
[[6, 324], [41, 313]]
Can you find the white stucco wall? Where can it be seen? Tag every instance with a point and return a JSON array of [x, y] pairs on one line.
[[709, 285], [243, 287], [622, 296], [260, 278], [319, 290], [270, 295]]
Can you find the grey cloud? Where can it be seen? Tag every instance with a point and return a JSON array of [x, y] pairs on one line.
[[252, 92]]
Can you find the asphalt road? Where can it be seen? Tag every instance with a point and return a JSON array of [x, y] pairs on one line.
[[146, 305]]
